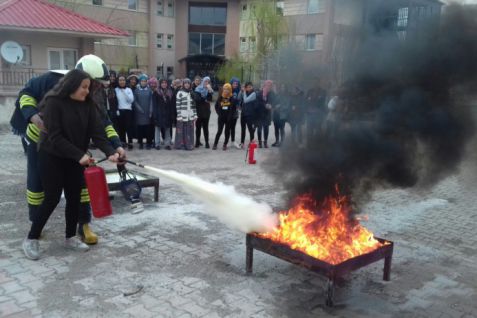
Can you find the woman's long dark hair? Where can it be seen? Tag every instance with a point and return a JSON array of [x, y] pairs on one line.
[[67, 86]]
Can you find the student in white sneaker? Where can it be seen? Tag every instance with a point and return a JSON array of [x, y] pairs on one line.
[[71, 119]]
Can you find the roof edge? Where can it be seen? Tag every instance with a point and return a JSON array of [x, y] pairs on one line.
[[66, 32]]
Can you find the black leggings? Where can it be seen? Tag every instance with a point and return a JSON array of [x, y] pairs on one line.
[[265, 129], [247, 122], [221, 123], [233, 124], [202, 123], [145, 131], [58, 174], [279, 126], [125, 125]]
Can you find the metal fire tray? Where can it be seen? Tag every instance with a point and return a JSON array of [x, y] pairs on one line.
[[331, 271]]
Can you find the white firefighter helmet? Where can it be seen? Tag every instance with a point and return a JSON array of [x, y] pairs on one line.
[[94, 66]]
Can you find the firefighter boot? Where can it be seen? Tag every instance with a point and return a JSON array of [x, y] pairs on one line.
[[86, 234]]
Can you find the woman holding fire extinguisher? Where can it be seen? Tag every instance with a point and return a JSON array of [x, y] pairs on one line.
[[71, 119]]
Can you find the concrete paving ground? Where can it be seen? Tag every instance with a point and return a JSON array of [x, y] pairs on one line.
[[190, 265]]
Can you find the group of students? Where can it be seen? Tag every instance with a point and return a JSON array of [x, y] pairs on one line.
[[147, 109], [58, 115]]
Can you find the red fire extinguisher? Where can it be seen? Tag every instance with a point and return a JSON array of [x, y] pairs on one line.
[[251, 152], [98, 191]]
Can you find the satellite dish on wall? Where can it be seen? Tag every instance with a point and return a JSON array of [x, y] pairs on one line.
[[11, 51]]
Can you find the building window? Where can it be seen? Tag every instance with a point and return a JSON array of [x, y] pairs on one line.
[[159, 41], [26, 60], [280, 7], [206, 43], [132, 38], [219, 44], [98, 2], [160, 8], [63, 59], [160, 71], [132, 4], [194, 43], [403, 15], [252, 44], [402, 35], [170, 71], [316, 6], [310, 43], [243, 44], [253, 10], [215, 16], [244, 12], [170, 41], [170, 8], [319, 42]]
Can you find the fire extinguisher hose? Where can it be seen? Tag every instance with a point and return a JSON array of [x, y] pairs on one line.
[[169, 174]]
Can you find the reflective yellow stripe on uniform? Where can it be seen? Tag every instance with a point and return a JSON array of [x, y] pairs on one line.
[[33, 132], [35, 198], [26, 100], [110, 132], [84, 196]]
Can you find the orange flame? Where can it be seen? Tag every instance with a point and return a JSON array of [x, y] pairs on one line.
[[333, 235]]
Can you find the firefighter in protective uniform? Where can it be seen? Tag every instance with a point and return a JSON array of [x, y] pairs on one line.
[[26, 122]]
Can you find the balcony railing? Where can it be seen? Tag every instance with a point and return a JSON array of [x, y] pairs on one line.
[[19, 77]]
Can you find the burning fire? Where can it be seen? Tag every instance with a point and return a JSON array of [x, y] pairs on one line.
[[333, 235]]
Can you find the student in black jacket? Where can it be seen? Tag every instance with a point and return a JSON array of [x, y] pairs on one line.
[[249, 115], [265, 101], [71, 119], [225, 106], [204, 96]]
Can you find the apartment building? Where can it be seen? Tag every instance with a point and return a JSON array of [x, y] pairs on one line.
[[166, 37], [324, 31]]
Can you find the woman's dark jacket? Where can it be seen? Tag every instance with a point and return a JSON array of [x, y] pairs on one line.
[[265, 115], [203, 106], [70, 125], [164, 109], [226, 108]]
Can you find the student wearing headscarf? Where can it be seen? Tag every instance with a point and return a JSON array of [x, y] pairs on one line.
[[176, 85], [186, 116], [237, 95], [265, 100], [164, 106], [225, 106], [143, 112], [204, 96], [153, 84]]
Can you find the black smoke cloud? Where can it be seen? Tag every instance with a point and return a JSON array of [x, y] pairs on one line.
[[402, 120]]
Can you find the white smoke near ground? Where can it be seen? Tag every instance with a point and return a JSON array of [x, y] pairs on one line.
[[234, 209]]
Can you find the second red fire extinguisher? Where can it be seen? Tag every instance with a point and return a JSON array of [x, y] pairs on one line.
[[251, 152], [98, 191]]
